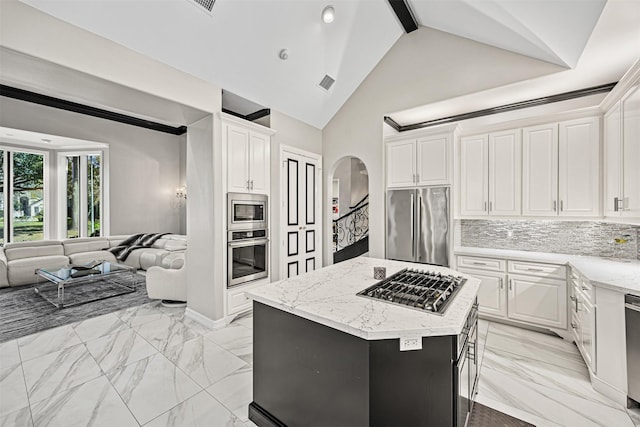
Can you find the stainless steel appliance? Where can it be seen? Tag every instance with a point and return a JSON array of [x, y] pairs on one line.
[[248, 257], [632, 320], [246, 211], [423, 290], [418, 225]]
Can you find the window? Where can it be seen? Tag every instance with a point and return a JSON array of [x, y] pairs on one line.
[[22, 195], [83, 194]]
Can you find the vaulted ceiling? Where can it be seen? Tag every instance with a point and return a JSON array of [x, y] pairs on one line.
[[236, 46]]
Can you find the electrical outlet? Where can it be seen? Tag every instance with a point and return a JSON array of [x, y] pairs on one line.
[[410, 343]]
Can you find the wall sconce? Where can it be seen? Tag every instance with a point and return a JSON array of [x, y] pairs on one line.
[[181, 192]]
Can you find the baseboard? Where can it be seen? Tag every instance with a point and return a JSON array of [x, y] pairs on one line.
[[608, 390], [200, 318]]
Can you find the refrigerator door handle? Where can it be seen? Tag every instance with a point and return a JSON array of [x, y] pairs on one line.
[[413, 228], [419, 225]]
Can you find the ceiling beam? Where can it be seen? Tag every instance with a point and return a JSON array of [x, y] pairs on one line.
[[503, 108], [62, 104], [251, 116], [404, 14]]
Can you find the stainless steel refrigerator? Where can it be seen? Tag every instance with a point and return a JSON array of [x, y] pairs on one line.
[[418, 225]]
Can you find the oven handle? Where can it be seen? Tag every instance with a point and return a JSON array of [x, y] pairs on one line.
[[633, 307], [249, 242]]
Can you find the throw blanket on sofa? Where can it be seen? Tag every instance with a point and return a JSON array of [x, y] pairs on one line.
[[137, 241]]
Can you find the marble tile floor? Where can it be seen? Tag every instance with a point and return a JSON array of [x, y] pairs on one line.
[[541, 379], [145, 365], [151, 366]]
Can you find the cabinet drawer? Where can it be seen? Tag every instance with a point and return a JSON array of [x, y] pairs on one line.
[[488, 264], [538, 269], [237, 301]]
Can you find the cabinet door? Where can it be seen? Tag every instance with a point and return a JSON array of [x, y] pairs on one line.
[[505, 161], [401, 164], [540, 170], [474, 175], [631, 153], [238, 159], [579, 167], [612, 161], [259, 163], [587, 316], [538, 300], [492, 296], [433, 160]]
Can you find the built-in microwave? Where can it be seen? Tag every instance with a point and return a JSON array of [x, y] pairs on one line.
[[246, 211]]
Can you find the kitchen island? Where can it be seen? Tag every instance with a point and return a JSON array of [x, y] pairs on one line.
[[324, 356]]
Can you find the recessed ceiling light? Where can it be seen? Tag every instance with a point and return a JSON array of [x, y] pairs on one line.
[[328, 14]]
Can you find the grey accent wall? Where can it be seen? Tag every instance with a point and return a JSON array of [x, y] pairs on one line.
[[593, 238]]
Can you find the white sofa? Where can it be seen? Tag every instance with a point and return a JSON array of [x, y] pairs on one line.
[[18, 261]]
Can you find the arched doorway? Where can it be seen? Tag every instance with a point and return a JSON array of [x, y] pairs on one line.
[[349, 209]]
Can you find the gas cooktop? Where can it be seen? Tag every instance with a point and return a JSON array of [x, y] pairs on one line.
[[421, 290]]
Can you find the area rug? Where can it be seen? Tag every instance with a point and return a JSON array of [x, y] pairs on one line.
[[23, 312], [483, 416]]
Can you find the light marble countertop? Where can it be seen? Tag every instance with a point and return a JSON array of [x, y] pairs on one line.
[[618, 275], [328, 296]]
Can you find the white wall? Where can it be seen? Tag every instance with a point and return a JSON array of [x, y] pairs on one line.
[[422, 67], [144, 165], [292, 133], [343, 174]]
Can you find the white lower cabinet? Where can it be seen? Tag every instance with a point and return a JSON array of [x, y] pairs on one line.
[[492, 299], [538, 298]]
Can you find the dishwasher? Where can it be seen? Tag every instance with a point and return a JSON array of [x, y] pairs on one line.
[[632, 321]]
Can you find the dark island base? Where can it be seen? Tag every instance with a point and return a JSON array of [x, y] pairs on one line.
[[307, 374]]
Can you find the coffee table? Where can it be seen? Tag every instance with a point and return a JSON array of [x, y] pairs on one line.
[[80, 284]]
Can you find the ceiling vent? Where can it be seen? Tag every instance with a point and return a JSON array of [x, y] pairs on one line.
[[327, 82], [206, 4]]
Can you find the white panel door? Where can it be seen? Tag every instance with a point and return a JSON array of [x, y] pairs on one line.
[[538, 300], [301, 215], [540, 170], [631, 153], [238, 158], [259, 163], [505, 173], [612, 162], [579, 167], [492, 296], [433, 160], [401, 164], [474, 175]]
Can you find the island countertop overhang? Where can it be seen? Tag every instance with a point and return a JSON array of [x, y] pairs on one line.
[[328, 296]]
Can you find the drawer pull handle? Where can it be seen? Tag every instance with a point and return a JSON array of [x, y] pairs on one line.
[[535, 269], [584, 288], [572, 298], [479, 263], [573, 325]]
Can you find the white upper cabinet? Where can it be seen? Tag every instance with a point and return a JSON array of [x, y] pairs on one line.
[[259, 163], [561, 169], [490, 174], [248, 158], [432, 166], [401, 163], [612, 161], [474, 175], [419, 162], [579, 167], [237, 155], [631, 154], [505, 172], [540, 170]]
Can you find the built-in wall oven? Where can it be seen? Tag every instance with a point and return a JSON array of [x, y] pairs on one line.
[[248, 257], [246, 211]]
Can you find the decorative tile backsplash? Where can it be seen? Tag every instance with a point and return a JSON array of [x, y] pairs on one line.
[[592, 238]]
